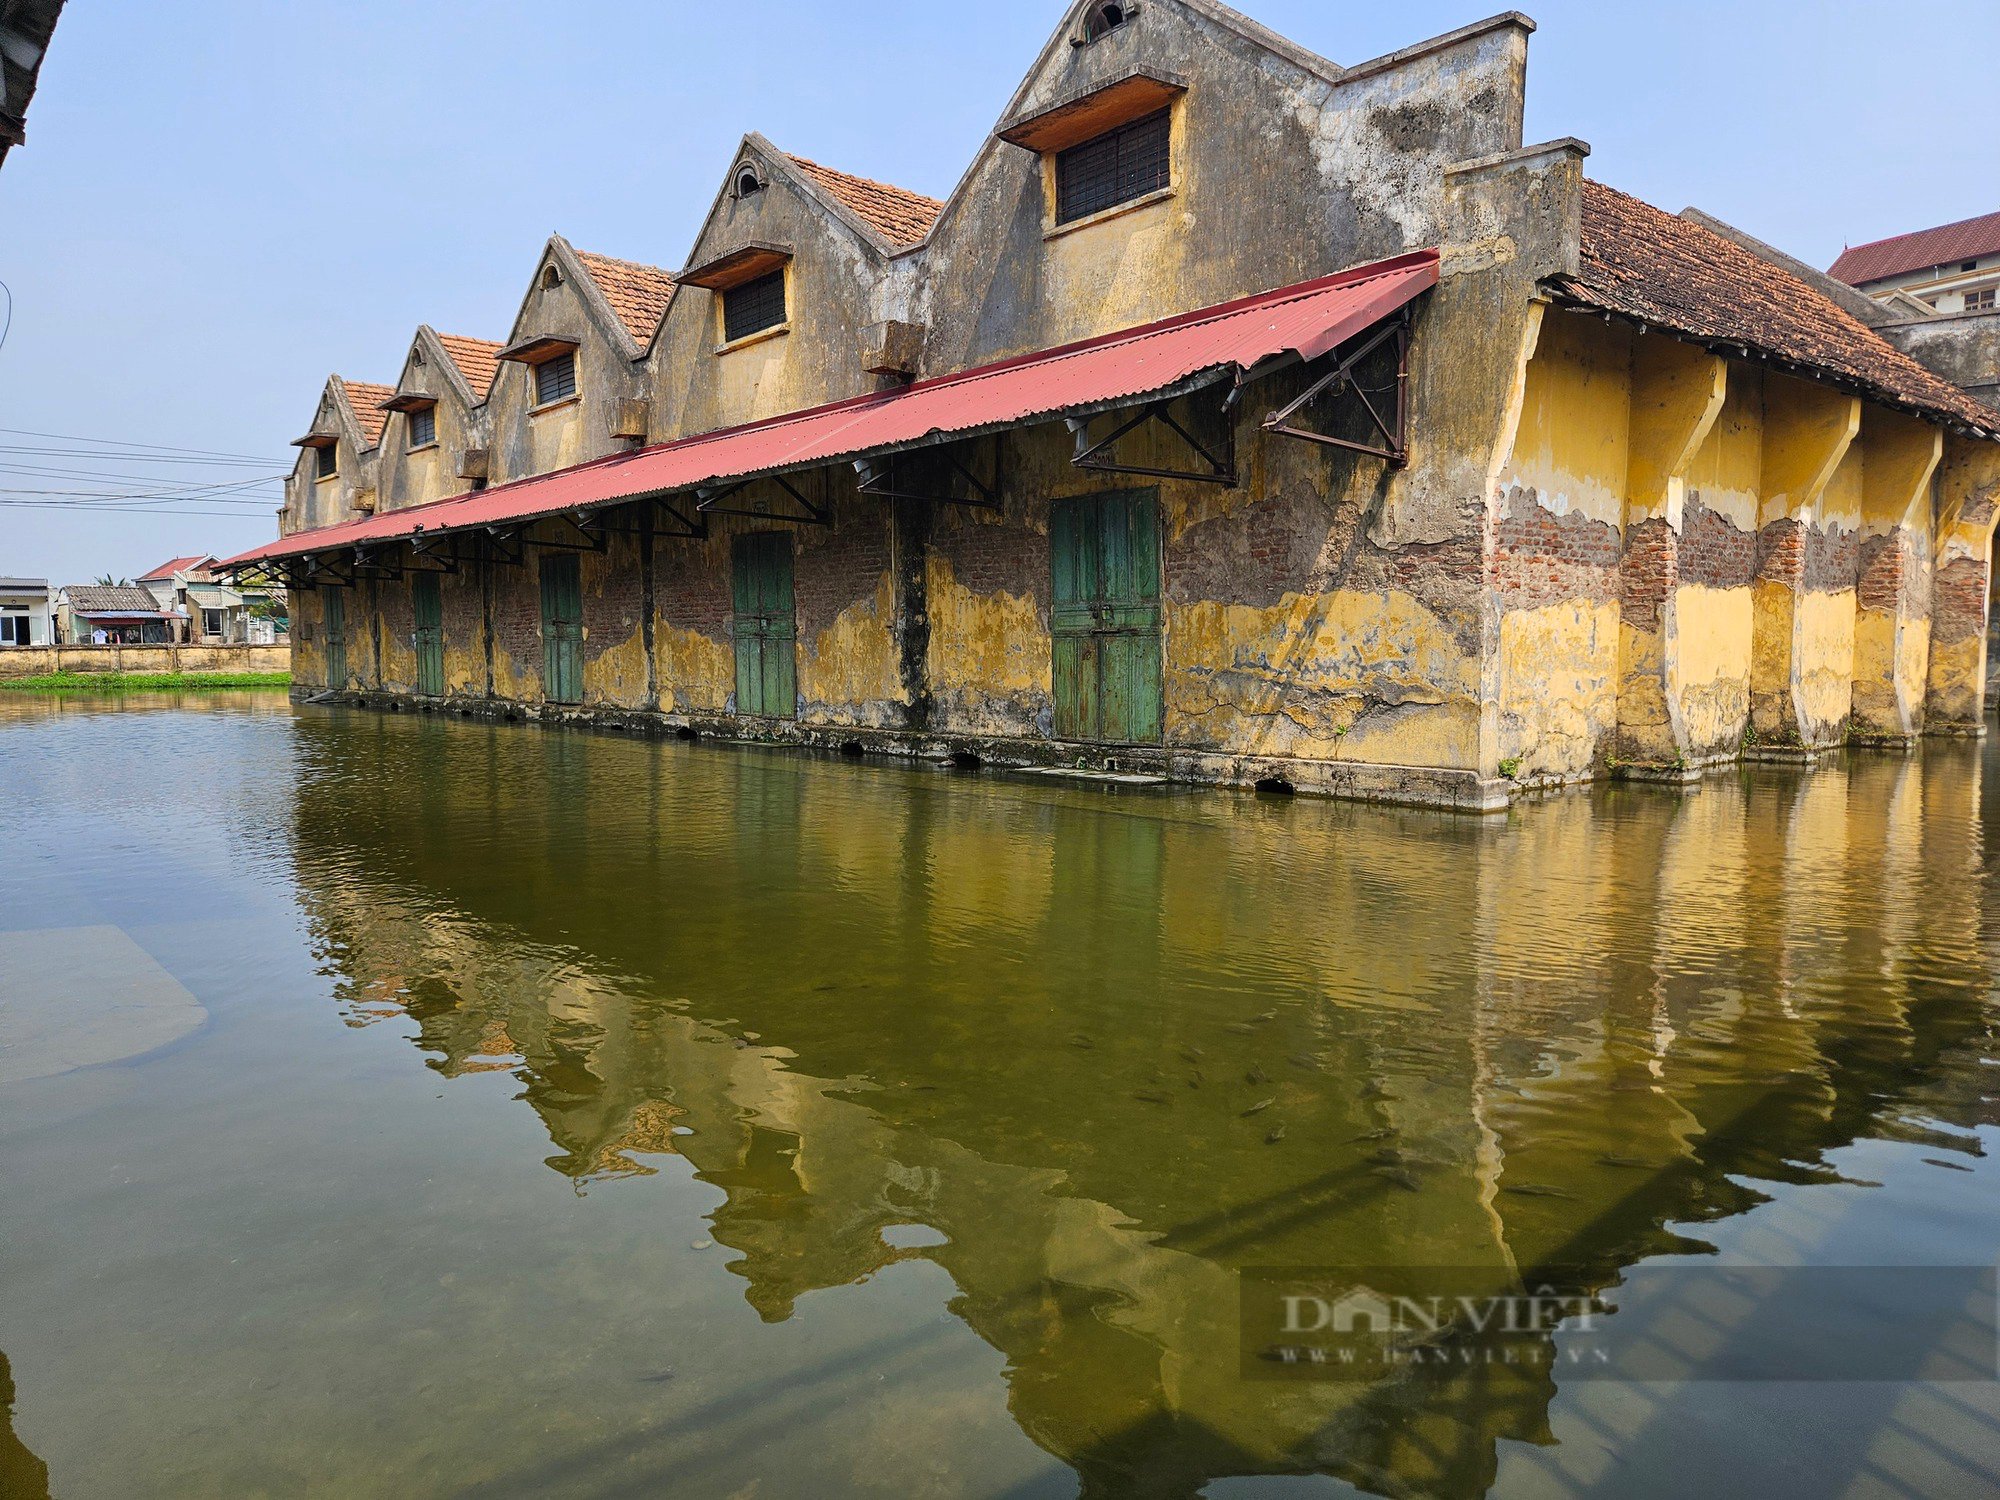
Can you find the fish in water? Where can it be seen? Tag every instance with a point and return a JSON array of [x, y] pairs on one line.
[[1388, 1156], [1148, 1096], [1259, 1107], [1256, 1075], [1536, 1190], [1401, 1176], [1080, 1040], [1276, 1135], [1191, 1054], [1269, 1015], [1374, 1088], [1194, 1080], [1300, 1060], [1241, 1028], [1636, 1163], [1387, 1132]]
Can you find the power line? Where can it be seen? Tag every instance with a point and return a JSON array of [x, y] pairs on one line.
[[70, 437], [105, 455]]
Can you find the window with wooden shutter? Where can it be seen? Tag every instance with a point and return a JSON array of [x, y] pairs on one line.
[[754, 306], [1113, 168], [555, 378], [423, 427], [328, 463]]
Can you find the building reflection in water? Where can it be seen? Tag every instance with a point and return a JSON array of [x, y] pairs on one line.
[[1113, 1049]]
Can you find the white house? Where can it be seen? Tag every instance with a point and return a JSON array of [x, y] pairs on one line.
[[24, 612]]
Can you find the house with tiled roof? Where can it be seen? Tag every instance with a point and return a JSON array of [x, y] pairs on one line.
[[800, 289], [1239, 416], [333, 478], [1951, 268], [570, 384], [434, 435]]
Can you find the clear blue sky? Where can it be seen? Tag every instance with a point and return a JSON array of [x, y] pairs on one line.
[[222, 201]]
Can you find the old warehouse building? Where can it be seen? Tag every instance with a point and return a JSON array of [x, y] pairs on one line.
[[1238, 416]]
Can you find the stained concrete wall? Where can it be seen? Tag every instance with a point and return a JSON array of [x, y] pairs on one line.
[[837, 284], [418, 475], [35, 661], [311, 501], [527, 438]]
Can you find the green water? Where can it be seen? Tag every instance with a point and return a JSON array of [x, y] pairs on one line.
[[552, 1113]]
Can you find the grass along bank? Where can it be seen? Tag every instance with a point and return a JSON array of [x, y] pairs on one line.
[[60, 682]]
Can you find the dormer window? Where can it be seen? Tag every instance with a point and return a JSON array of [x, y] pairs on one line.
[[753, 306], [1114, 168], [747, 181], [423, 427], [555, 378], [326, 461], [1105, 17], [551, 278]]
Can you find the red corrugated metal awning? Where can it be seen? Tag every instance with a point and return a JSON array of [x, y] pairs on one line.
[[1308, 320]]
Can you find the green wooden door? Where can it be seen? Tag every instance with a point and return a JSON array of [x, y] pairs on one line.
[[427, 607], [1104, 557], [562, 628], [333, 615], [766, 629]]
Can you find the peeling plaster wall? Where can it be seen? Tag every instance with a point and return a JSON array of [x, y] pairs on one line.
[[1555, 565], [418, 476], [836, 286], [1344, 171], [526, 439]]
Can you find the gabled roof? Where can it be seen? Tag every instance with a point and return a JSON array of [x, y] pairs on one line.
[[638, 294], [104, 599], [1669, 272], [28, 25], [364, 399], [1968, 239], [477, 360], [901, 217], [167, 569]]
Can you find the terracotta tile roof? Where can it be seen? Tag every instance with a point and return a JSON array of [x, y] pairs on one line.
[[1672, 273], [477, 360], [1968, 239], [638, 294], [176, 565], [899, 216], [366, 398]]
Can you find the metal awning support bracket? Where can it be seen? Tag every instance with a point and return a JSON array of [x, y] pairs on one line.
[[708, 502], [875, 476], [1340, 380], [1094, 454]]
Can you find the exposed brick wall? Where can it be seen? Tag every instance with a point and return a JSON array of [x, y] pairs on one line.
[[1714, 552], [1542, 558], [517, 617], [1254, 554], [1882, 565], [1781, 552], [1832, 560], [990, 556], [1649, 572], [836, 567], [692, 589], [614, 597], [1958, 600]]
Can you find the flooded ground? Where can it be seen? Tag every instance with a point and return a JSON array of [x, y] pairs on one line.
[[404, 1106]]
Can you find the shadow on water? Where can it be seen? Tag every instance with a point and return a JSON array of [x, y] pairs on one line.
[[22, 1475], [1118, 1048]]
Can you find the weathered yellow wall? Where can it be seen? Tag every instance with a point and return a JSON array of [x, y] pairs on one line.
[[1562, 502]]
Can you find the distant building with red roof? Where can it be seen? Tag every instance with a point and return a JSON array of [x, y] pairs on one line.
[[1952, 268]]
